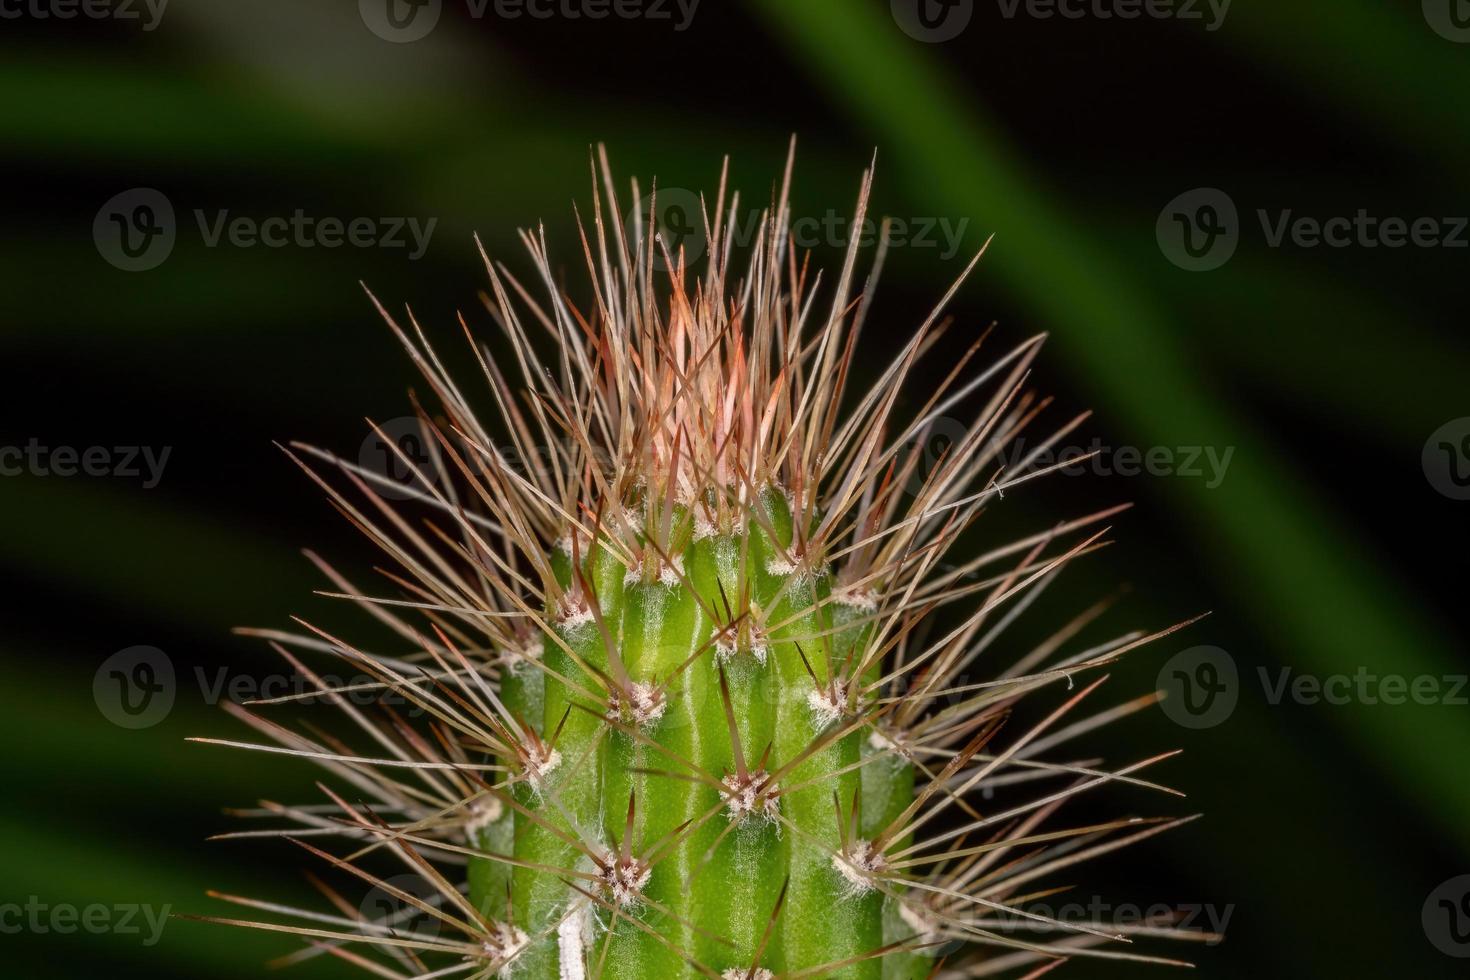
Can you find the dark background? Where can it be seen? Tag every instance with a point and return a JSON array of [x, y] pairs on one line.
[[1326, 547]]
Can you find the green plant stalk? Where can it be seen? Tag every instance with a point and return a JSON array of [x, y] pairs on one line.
[[668, 685], [713, 887]]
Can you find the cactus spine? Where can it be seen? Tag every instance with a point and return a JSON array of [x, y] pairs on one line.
[[701, 695]]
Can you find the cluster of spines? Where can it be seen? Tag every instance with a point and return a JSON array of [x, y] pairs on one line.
[[680, 717]]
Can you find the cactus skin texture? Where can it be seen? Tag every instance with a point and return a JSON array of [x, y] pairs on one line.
[[684, 684], [724, 878]]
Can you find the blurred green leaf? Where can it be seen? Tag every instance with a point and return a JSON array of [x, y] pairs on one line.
[[1273, 542]]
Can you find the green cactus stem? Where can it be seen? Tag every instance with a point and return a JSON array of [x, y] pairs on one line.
[[691, 679]]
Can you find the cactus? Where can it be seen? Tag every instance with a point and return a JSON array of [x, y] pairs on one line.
[[688, 684]]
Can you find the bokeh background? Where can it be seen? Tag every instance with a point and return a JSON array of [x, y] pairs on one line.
[[1334, 542]]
